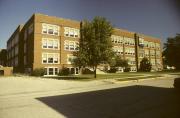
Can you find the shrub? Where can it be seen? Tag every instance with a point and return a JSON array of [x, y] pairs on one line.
[[87, 71], [127, 69], [64, 72], [112, 70], [145, 65], [38, 72]]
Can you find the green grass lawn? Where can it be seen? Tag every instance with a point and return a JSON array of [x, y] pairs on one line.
[[119, 76]]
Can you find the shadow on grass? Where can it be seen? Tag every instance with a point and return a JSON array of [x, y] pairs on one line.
[[125, 102]]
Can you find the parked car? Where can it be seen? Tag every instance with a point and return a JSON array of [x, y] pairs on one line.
[[177, 83]]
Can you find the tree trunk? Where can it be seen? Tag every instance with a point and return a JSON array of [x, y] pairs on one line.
[[80, 70], [95, 72]]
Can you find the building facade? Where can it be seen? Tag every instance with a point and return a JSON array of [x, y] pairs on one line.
[[49, 42]]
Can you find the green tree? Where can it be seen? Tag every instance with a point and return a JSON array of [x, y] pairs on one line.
[[119, 62], [171, 52], [145, 65], [95, 43], [3, 57]]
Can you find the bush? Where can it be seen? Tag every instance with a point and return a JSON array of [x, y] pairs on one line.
[[64, 72], [112, 70], [145, 65], [127, 69], [38, 72], [87, 71]]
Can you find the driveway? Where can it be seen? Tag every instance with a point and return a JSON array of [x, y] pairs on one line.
[[29, 97]]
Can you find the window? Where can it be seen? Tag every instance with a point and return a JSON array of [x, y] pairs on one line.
[[66, 31], [141, 53], [117, 39], [141, 42], [146, 53], [55, 71], [56, 58], [77, 46], [50, 58], [152, 52], [153, 61], [76, 33], [66, 45], [55, 44], [71, 45], [56, 30], [51, 71], [118, 50], [50, 43], [157, 46], [157, 54], [71, 32], [44, 29], [70, 58], [44, 58], [131, 61], [44, 43], [50, 29]]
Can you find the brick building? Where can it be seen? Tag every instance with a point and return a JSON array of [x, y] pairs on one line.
[[49, 42]]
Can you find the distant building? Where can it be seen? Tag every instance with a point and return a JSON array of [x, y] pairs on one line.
[[49, 42]]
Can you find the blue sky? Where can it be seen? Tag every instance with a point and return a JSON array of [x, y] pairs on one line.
[[158, 18]]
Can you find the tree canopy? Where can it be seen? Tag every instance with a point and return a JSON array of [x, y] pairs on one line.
[[95, 44], [145, 65], [118, 61], [171, 51]]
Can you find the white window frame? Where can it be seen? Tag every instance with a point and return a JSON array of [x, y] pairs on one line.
[[46, 27], [55, 57], [71, 45], [46, 43], [54, 72], [71, 32]]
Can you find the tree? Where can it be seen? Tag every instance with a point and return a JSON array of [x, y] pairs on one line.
[[119, 62], [171, 51], [3, 57], [95, 43], [145, 65]]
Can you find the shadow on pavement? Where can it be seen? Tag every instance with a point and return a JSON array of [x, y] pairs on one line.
[[125, 102]]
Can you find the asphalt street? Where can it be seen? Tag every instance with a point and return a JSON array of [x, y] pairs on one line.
[[45, 98]]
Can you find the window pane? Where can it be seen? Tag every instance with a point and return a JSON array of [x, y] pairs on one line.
[[56, 44], [56, 71], [44, 28], [56, 30], [72, 32], [44, 43], [71, 45], [50, 71], [50, 43]]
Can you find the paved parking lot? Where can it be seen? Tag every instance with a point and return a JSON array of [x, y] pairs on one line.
[[30, 97]]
